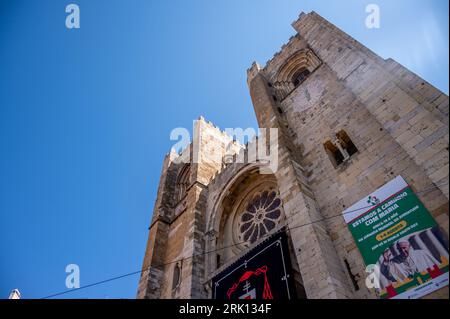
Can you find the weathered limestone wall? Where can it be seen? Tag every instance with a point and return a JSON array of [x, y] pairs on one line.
[[412, 111]]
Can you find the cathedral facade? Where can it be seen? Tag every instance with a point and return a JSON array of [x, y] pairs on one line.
[[348, 122]]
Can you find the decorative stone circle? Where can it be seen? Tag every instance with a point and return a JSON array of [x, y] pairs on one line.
[[262, 214]]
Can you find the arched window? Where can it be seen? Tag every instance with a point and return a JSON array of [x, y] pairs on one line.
[[294, 72], [176, 276], [300, 76], [341, 150]]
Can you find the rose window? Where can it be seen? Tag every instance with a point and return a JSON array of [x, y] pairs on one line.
[[262, 214]]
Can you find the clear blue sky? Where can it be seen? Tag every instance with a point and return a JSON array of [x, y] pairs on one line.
[[85, 115]]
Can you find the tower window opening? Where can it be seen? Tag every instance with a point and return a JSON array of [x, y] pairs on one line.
[[346, 143], [300, 76], [334, 153], [341, 150]]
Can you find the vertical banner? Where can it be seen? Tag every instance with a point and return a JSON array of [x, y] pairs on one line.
[[262, 273], [395, 232]]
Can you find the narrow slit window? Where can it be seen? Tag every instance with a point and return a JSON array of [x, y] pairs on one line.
[[218, 261], [176, 276], [352, 276]]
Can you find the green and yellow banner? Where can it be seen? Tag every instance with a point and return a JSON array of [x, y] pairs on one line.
[[400, 240]]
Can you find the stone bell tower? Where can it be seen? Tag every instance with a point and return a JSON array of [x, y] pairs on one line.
[[349, 122], [173, 263]]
